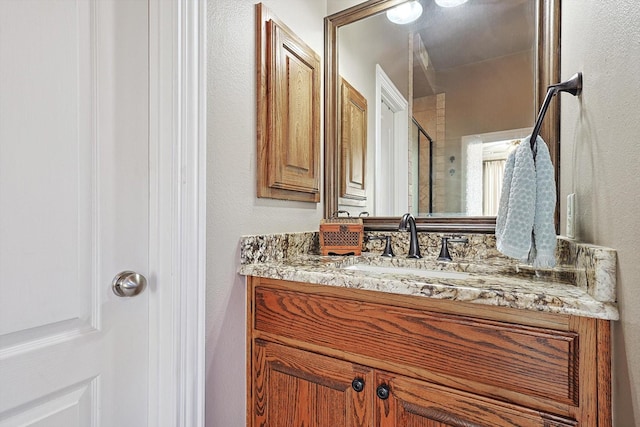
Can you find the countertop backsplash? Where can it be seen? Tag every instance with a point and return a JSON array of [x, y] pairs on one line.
[[277, 247]]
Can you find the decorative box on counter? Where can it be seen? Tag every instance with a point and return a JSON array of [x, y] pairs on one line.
[[341, 236]]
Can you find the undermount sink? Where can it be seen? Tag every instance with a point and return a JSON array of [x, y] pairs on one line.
[[432, 274]]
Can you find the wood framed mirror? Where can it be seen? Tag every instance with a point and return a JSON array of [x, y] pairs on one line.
[[545, 64]]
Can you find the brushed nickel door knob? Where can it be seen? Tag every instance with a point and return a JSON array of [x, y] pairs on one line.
[[128, 284]]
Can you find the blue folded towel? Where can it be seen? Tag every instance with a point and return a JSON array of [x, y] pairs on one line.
[[525, 226]]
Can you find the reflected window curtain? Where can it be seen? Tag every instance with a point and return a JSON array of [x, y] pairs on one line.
[[472, 159], [492, 175]]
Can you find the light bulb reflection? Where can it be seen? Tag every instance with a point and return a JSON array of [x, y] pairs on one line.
[[405, 13]]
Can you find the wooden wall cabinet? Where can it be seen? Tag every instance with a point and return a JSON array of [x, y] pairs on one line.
[[288, 112], [353, 144], [325, 356]]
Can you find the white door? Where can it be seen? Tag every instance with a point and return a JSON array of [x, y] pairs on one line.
[[386, 193], [392, 148], [74, 195]]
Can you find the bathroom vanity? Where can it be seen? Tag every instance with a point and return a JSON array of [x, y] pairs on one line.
[[469, 343]]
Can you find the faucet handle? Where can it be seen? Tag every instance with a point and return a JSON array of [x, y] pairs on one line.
[[457, 239], [388, 250], [444, 250]]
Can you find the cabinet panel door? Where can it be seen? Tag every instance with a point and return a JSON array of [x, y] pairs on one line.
[[299, 388], [413, 403], [289, 73], [353, 143], [295, 110]]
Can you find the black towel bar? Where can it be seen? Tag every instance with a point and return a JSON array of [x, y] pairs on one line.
[[573, 86]]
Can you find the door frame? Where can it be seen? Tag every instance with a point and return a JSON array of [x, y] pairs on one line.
[[177, 167], [387, 92]]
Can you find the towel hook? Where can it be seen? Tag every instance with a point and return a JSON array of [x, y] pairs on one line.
[[573, 86]]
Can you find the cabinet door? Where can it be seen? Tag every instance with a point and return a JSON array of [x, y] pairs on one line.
[[293, 387], [406, 402], [288, 101], [353, 144]]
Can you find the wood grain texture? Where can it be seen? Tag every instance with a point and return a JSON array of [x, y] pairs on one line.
[[417, 404], [555, 321], [604, 373], [353, 143], [251, 282], [298, 388], [445, 364], [288, 104], [524, 359]]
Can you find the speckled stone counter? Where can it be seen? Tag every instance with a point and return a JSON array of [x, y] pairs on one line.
[[582, 284]]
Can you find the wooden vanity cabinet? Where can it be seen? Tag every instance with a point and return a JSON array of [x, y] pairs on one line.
[[330, 356]]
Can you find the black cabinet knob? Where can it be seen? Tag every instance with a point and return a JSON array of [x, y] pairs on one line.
[[383, 391], [358, 384]]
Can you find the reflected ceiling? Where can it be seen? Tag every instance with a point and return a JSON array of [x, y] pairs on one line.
[[450, 35]]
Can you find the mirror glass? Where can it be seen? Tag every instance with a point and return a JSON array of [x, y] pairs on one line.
[[448, 96]]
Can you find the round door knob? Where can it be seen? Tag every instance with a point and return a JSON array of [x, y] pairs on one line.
[[128, 284], [383, 391]]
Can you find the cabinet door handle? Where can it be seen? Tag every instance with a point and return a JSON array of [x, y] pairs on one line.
[[383, 391], [358, 384]]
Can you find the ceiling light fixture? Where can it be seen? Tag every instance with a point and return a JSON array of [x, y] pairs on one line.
[[405, 12], [450, 3]]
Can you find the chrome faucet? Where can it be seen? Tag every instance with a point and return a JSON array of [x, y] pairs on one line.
[[408, 223]]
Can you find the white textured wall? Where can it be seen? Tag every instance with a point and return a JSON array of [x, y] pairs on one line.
[[600, 161], [233, 209]]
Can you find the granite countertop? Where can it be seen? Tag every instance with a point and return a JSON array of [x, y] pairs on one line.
[[585, 287]]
